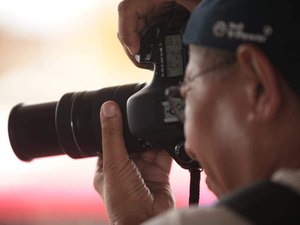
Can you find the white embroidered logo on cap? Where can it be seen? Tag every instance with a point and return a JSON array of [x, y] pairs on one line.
[[237, 31], [220, 29]]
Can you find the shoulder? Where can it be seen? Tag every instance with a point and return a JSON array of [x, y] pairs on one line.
[[255, 202], [274, 201], [194, 215]]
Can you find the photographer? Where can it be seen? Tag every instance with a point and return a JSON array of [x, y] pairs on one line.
[[242, 119]]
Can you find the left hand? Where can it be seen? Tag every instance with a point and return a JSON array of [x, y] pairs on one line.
[[133, 188]]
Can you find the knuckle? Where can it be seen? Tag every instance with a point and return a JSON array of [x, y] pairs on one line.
[[98, 182], [109, 132], [116, 168], [110, 165]]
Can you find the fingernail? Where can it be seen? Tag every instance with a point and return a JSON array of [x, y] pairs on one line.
[[133, 50], [109, 110], [129, 50]]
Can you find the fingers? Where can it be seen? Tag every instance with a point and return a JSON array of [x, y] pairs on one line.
[[148, 66], [114, 153], [130, 24], [113, 147], [119, 181], [99, 177], [132, 19]]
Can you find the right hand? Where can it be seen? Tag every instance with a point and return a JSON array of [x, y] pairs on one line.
[[134, 188], [133, 16]]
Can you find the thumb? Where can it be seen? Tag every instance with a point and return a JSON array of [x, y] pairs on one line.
[[114, 152]]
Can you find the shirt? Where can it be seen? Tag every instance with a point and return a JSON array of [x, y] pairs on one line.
[[221, 215]]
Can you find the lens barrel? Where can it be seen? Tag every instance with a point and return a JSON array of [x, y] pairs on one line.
[[32, 131], [70, 126]]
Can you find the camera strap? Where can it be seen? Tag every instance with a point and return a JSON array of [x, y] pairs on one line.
[[265, 202], [195, 176]]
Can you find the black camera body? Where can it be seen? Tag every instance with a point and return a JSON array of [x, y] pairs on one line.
[[71, 126]]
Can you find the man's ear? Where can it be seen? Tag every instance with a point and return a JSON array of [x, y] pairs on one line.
[[262, 85]]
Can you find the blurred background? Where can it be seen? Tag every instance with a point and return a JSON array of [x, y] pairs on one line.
[[48, 48]]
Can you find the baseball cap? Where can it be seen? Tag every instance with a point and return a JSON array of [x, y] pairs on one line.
[[272, 25]]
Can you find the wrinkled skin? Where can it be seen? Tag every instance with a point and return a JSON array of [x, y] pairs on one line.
[[136, 188]]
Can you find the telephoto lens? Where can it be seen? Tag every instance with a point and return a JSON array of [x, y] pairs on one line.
[[70, 126], [32, 131]]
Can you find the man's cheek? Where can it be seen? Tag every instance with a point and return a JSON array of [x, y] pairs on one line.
[[188, 120], [190, 138], [187, 131]]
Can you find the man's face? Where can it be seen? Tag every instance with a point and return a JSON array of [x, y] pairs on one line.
[[214, 106]]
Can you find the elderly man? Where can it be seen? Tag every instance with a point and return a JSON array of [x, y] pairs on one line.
[[241, 121]]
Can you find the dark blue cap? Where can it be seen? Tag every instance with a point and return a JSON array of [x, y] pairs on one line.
[[272, 25]]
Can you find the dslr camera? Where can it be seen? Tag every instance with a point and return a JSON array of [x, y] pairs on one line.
[[71, 126]]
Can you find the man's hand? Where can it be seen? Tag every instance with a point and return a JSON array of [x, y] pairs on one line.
[[133, 15], [133, 188]]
